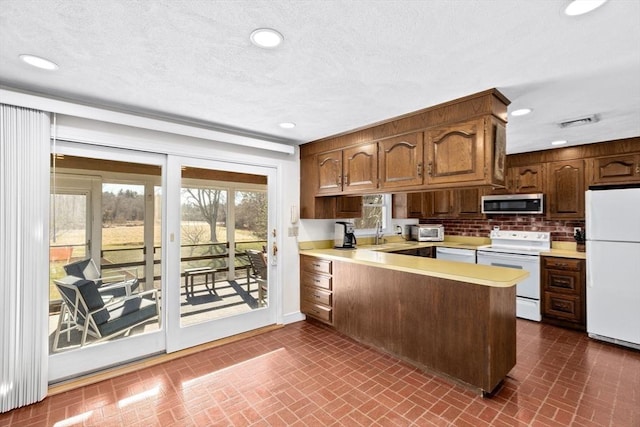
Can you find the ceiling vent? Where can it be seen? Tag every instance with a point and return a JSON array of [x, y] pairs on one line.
[[579, 122]]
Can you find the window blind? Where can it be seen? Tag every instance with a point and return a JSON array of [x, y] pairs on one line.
[[24, 229]]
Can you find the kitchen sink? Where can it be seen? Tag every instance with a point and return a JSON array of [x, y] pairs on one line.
[[390, 245]]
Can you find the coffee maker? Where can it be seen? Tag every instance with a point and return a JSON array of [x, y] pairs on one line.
[[344, 237]]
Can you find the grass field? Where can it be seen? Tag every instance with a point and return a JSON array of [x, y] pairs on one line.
[[133, 235]]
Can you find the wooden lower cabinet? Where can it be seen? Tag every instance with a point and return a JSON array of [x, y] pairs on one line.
[[564, 292], [462, 330], [316, 285]]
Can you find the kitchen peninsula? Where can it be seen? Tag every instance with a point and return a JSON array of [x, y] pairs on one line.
[[447, 317]]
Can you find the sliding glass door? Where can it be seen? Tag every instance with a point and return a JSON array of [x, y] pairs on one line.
[[105, 286], [218, 213], [152, 253]]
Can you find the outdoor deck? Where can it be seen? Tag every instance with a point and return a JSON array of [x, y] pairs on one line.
[[229, 299]]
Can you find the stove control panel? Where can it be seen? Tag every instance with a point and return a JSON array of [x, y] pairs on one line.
[[526, 236]]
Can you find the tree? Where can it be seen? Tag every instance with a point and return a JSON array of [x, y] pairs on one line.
[[252, 213], [207, 201], [126, 206]]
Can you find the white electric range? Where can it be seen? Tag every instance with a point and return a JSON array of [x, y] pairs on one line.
[[519, 249]]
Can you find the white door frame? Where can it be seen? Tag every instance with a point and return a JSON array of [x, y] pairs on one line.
[[179, 337], [71, 363]]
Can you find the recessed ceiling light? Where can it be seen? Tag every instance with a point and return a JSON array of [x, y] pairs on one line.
[[39, 62], [267, 38], [580, 7], [287, 125], [559, 142], [521, 112]]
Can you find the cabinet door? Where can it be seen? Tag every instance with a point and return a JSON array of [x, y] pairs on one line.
[[348, 206], [528, 179], [416, 205], [439, 204], [615, 170], [360, 168], [329, 167], [400, 161], [566, 189], [455, 154], [467, 202]]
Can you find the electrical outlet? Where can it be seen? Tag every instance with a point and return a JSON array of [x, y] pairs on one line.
[[576, 229], [293, 231]]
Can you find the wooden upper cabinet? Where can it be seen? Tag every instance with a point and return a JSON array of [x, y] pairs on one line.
[[565, 191], [623, 169], [400, 161], [350, 170], [360, 168], [439, 204], [329, 169], [348, 207], [467, 202], [417, 205], [409, 205], [527, 179], [455, 154]]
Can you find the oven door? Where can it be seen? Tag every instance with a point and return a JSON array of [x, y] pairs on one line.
[[529, 287], [527, 291]]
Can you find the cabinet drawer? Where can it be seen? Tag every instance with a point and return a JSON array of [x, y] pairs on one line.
[[317, 265], [567, 282], [318, 311], [562, 263], [318, 280], [317, 296], [562, 306]]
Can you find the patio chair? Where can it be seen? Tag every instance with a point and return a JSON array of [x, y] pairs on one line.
[[258, 272], [84, 309], [87, 269]]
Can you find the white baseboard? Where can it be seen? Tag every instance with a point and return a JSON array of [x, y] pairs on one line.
[[293, 317]]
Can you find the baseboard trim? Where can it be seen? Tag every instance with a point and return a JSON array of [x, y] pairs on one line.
[[293, 317]]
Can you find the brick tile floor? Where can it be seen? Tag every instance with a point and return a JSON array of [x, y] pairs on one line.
[[308, 375]]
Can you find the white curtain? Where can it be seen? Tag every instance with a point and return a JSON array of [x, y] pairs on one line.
[[24, 255]]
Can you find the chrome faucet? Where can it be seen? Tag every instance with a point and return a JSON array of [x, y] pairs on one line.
[[378, 232]]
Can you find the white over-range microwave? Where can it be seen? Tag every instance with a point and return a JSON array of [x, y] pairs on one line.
[[427, 232]]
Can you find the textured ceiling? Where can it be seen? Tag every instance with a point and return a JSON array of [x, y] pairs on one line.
[[343, 64]]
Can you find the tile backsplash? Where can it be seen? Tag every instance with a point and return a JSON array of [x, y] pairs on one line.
[[561, 230]]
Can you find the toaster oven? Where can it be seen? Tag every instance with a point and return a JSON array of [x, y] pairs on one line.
[[427, 232]]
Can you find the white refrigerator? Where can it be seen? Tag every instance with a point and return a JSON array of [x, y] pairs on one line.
[[613, 264]]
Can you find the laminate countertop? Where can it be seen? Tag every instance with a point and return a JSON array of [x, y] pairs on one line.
[[564, 253], [463, 272]]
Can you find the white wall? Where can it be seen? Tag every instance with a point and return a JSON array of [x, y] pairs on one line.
[[316, 229]]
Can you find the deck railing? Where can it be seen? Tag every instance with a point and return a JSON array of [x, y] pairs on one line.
[[192, 255]]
